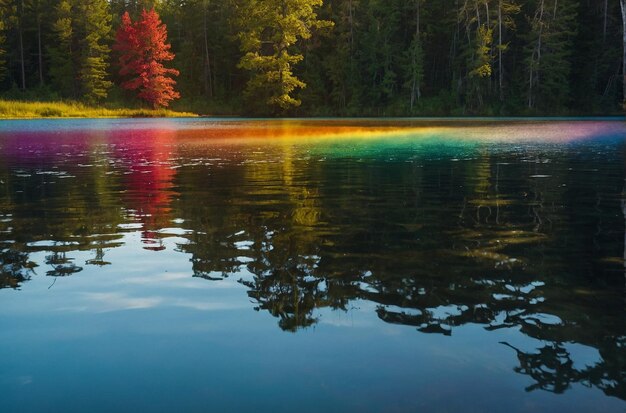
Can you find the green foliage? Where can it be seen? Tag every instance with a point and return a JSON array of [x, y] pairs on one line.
[[334, 57], [93, 33], [62, 68], [11, 109], [550, 47], [79, 51], [93, 78], [8, 11], [3, 52], [482, 58], [269, 33], [336, 61], [414, 70]]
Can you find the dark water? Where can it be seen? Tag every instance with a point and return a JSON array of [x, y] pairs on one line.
[[217, 266]]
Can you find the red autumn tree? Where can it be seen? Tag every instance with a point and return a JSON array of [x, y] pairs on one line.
[[142, 47]]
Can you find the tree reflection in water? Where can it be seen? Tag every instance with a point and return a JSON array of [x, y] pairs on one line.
[[62, 266], [15, 268], [494, 256], [517, 239]]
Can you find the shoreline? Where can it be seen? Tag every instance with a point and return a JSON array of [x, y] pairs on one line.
[[31, 110], [34, 110], [426, 119]]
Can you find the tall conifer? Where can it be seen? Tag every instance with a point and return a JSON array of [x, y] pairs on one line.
[[270, 31], [550, 46], [143, 48], [3, 44], [62, 65], [93, 31]]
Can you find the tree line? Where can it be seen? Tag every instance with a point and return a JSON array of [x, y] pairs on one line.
[[333, 57]]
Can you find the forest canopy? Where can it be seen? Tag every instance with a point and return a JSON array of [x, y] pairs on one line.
[[331, 57]]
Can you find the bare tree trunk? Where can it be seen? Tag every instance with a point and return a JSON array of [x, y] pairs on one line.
[[207, 76], [418, 37], [538, 53], [623, 5], [624, 207], [556, 5], [467, 26], [500, 75], [351, 28], [417, 20], [487, 13], [39, 50], [456, 38], [606, 12], [21, 39], [415, 89], [540, 39]]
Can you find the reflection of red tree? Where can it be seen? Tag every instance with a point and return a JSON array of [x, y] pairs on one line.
[[148, 179]]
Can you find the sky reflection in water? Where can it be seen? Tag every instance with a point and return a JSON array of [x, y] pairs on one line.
[[396, 266]]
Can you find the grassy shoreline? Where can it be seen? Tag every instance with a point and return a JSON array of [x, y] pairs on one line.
[[42, 109], [17, 109]]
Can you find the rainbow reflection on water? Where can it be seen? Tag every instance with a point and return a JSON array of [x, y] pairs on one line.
[[273, 131], [415, 264]]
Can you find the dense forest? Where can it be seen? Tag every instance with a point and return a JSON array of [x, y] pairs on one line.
[[332, 57]]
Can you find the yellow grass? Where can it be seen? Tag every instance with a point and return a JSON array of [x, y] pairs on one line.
[[13, 109]]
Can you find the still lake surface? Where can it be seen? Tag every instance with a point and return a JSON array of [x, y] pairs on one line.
[[312, 266]]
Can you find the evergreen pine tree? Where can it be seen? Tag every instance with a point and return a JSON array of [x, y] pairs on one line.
[[3, 44], [339, 60], [415, 58], [270, 30], [549, 49], [62, 65], [36, 11]]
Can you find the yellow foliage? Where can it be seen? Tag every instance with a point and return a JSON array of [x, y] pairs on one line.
[[25, 110]]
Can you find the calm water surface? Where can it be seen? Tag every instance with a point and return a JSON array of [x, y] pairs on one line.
[[312, 266]]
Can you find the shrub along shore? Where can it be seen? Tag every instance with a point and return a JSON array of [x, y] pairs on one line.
[[15, 109]]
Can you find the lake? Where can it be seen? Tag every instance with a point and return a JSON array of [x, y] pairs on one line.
[[233, 265]]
